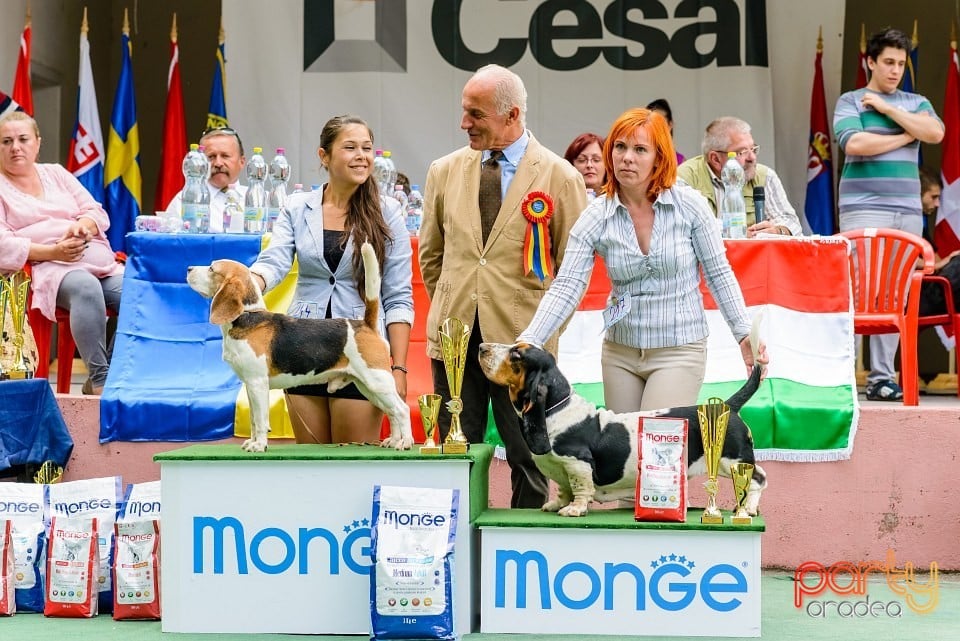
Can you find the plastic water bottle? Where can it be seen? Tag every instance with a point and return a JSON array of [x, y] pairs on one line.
[[392, 166], [414, 210], [279, 175], [195, 199], [297, 188], [381, 173], [733, 209], [401, 196], [255, 202], [233, 212]]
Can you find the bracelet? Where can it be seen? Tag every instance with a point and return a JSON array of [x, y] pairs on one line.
[[400, 367]]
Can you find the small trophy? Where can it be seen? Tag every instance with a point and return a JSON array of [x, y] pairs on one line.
[[742, 474], [429, 409], [713, 415], [454, 337], [13, 295]]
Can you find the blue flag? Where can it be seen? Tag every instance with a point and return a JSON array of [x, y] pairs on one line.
[[122, 171], [217, 112]]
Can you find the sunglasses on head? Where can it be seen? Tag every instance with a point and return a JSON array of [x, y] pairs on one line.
[[227, 131]]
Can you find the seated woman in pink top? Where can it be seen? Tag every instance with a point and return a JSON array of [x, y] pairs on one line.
[[48, 219]]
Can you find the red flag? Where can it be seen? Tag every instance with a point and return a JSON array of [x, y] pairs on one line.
[[170, 180], [863, 77], [22, 93], [946, 234], [818, 206]]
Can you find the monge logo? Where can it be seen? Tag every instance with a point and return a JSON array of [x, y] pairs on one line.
[[221, 542], [8, 507], [670, 582]]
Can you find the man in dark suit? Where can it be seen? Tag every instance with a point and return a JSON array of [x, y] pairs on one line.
[[471, 251]]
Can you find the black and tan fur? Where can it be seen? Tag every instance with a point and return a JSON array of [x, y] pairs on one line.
[[276, 351]]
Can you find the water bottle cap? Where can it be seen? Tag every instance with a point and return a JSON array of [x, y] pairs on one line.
[[415, 187], [258, 150], [280, 151], [194, 146], [379, 152], [731, 154], [298, 185], [387, 154]]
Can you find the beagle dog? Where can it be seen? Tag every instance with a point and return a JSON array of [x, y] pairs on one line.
[[591, 453], [276, 351]]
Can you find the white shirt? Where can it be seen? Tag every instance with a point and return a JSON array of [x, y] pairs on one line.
[[218, 202]]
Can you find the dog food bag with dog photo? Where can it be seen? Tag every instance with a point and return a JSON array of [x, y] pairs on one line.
[[72, 567], [412, 546], [22, 505], [662, 477], [90, 498], [8, 597], [136, 570]]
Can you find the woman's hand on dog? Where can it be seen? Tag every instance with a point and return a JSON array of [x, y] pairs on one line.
[[746, 349]]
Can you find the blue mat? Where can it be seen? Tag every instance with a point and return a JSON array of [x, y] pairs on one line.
[[31, 426], [168, 381]]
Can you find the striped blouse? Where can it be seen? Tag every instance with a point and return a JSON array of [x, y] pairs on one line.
[[666, 308]]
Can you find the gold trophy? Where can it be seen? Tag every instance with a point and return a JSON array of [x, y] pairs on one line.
[[429, 409], [713, 415], [742, 474], [13, 295], [454, 337]]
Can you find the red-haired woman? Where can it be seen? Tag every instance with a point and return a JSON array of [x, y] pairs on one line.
[[654, 235], [586, 154]]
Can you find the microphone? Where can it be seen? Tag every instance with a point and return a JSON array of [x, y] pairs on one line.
[[759, 202]]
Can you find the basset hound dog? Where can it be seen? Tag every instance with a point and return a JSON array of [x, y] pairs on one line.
[[591, 453], [275, 351]]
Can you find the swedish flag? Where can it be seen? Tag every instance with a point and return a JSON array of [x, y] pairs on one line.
[[217, 113], [122, 169]]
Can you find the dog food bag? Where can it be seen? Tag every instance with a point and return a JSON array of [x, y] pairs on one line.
[[141, 502], [136, 570], [412, 546], [22, 505], [662, 477], [8, 597], [89, 498], [72, 567]]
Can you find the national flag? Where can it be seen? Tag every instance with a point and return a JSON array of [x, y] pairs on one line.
[[806, 408], [22, 91], [217, 112], [85, 158], [818, 206], [170, 180], [913, 59], [8, 104], [123, 151], [863, 72], [946, 233]]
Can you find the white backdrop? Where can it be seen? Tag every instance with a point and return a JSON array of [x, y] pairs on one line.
[[416, 114]]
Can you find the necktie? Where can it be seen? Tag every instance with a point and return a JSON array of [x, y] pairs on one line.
[[490, 194]]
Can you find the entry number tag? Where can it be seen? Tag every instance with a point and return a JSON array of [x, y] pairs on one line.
[[616, 311]]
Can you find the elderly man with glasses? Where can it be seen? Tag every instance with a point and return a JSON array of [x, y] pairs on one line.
[[224, 150], [703, 174]]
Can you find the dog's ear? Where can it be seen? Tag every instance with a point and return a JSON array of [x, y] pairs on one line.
[[534, 391], [228, 301]]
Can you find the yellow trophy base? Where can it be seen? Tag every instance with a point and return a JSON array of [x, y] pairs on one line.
[[741, 520], [455, 447], [16, 375], [430, 449], [711, 519]]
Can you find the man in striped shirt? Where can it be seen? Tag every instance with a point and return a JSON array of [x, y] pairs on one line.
[[880, 128]]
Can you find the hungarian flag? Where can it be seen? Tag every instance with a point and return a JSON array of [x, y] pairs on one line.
[[818, 206], [806, 408], [863, 73], [22, 92], [170, 180], [946, 234]]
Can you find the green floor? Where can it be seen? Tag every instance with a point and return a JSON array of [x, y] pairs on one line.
[[780, 620]]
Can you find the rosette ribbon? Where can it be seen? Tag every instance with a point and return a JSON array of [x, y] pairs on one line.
[[537, 208]]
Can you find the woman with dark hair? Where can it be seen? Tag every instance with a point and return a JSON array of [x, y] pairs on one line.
[[661, 106], [584, 153], [655, 236], [323, 230]]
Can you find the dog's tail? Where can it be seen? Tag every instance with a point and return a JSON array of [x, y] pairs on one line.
[[371, 292], [740, 398]]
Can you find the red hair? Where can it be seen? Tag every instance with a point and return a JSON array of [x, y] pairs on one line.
[[664, 173]]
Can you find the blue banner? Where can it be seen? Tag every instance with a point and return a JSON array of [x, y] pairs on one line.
[[217, 112]]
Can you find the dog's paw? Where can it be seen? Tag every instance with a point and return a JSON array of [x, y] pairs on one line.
[[573, 510], [254, 445], [398, 442], [551, 506]]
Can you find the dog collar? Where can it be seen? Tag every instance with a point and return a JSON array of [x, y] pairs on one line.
[[563, 401]]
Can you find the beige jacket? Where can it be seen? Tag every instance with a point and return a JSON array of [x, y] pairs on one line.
[[463, 277]]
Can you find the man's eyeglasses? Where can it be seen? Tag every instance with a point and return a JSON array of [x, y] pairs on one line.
[[743, 152], [227, 131]]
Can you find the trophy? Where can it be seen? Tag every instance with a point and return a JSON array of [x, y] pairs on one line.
[[13, 295], [429, 409], [742, 474], [454, 337], [713, 415]]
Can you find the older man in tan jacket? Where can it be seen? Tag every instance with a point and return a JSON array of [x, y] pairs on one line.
[[471, 251]]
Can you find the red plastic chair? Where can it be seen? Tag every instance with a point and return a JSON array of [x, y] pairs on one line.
[[886, 291], [950, 318]]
